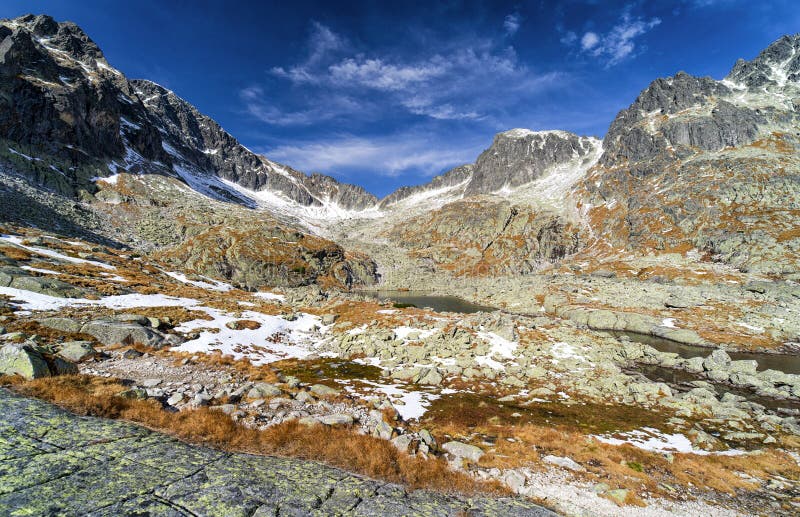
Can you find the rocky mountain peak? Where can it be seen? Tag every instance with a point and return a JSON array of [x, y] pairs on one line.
[[776, 65], [61, 36], [520, 156]]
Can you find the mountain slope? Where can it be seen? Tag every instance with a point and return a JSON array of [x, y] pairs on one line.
[[144, 168], [65, 105], [712, 165]]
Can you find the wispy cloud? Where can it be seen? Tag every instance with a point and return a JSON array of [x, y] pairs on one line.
[[390, 156], [454, 80], [511, 23], [256, 104], [618, 43]]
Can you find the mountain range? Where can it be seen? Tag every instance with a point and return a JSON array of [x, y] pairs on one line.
[[693, 165]]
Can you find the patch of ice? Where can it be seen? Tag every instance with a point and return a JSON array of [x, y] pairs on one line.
[[111, 180], [128, 124], [271, 296], [211, 285], [750, 327], [414, 403], [358, 330], [651, 439], [14, 151], [28, 300], [500, 345], [13, 239], [388, 311], [39, 270], [404, 332], [669, 323], [275, 339], [564, 350]]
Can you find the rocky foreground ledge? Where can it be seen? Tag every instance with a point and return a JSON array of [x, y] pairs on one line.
[[56, 463]]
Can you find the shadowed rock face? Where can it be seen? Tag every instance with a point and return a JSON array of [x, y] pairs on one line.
[[712, 165], [90, 466], [59, 98], [482, 237], [520, 156]]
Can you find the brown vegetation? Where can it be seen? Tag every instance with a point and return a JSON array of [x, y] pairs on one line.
[[338, 447]]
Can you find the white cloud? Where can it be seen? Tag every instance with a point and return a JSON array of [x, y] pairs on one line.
[[569, 38], [616, 45], [447, 80], [374, 73], [589, 40], [396, 155], [511, 23], [328, 107]]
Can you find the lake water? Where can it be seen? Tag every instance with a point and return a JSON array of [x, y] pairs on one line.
[[680, 380], [424, 299], [780, 362]]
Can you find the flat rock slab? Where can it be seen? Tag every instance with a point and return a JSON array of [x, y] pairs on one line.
[[53, 462]]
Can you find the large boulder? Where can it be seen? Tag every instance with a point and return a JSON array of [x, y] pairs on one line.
[[463, 451], [77, 351], [718, 360], [23, 359], [48, 286], [113, 332], [63, 324]]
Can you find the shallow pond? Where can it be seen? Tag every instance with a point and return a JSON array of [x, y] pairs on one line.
[[780, 362], [680, 380], [423, 299]]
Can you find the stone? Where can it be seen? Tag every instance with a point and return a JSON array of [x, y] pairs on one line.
[[748, 367], [77, 351], [263, 390], [430, 376], [48, 286], [304, 397], [717, 360], [132, 353], [383, 431], [463, 450], [618, 495], [685, 336], [564, 462], [175, 399], [151, 383], [23, 359], [309, 421], [427, 438], [402, 442], [323, 390], [62, 324], [337, 419], [329, 319], [132, 318], [112, 332], [694, 364]]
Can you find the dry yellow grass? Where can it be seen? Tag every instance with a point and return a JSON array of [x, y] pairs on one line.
[[338, 447]]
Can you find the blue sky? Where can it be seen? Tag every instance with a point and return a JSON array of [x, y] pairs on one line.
[[390, 94]]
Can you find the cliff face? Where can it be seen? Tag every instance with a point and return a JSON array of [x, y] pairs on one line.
[[143, 167], [712, 165]]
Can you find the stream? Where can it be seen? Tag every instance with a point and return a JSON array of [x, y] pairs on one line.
[[781, 362]]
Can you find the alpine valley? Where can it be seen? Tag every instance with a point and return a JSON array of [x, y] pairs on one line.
[[568, 324]]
